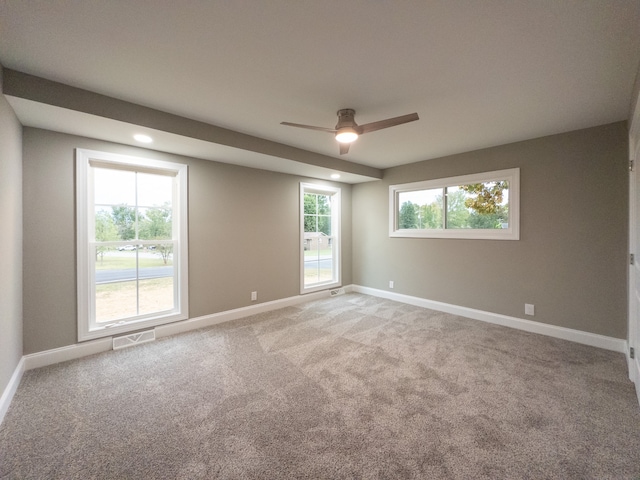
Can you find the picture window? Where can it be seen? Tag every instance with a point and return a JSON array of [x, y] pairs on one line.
[[479, 206]]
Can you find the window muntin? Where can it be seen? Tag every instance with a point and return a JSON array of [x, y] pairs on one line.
[[479, 206], [132, 243], [320, 243]]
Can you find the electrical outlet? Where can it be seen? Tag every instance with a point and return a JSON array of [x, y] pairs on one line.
[[529, 309], [254, 296], [390, 283]]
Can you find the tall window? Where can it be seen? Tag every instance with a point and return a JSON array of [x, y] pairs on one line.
[[479, 206], [320, 237], [132, 243]]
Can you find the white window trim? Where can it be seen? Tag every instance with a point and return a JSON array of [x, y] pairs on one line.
[[85, 278], [336, 206], [512, 175]]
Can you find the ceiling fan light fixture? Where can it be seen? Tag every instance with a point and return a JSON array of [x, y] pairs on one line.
[[346, 135], [347, 130]]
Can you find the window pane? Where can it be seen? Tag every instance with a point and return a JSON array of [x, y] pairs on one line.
[[421, 209], [116, 270], [104, 257], [115, 263], [105, 226], [115, 301], [124, 219], [115, 275], [161, 252], [310, 203], [114, 187], [154, 224], [324, 205], [324, 224], [478, 206], [318, 259], [156, 294], [311, 254], [457, 212], [154, 190], [310, 223]]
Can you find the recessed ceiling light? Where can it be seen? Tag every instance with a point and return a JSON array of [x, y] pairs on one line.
[[143, 138], [335, 175]]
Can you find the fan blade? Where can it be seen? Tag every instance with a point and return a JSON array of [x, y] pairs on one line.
[[389, 122], [344, 148], [308, 127]]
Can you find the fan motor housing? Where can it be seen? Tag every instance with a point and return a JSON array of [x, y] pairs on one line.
[[346, 118]]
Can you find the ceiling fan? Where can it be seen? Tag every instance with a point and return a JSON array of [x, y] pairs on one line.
[[347, 130]]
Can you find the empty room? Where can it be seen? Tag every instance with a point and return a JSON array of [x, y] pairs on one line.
[[321, 240]]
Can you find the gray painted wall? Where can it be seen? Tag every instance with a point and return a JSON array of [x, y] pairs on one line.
[[634, 96], [570, 261], [10, 242], [243, 235]]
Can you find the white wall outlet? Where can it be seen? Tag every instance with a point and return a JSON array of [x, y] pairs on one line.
[[390, 283], [529, 309], [254, 296]]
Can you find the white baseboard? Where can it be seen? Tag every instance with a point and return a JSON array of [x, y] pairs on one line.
[[578, 336], [79, 350], [70, 352], [229, 315], [634, 373], [11, 389]]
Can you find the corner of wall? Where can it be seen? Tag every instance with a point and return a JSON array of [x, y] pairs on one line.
[[11, 315], [635, 98], [10, 390]]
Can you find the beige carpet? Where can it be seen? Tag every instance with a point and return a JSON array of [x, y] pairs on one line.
[[348, 387]]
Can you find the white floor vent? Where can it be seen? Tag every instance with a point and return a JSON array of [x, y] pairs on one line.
[[133, 339], [337, 291]]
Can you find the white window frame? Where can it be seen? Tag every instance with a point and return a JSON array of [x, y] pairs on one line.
[[511, 175], [336, 215], [87, 327]]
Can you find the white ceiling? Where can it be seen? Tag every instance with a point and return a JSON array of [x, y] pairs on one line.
[[479, 73]]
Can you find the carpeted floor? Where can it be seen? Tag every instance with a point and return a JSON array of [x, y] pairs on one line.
[[348, 387]]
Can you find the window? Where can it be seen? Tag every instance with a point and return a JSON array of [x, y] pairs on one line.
[[320, 237], [132, 243], [480, 206]]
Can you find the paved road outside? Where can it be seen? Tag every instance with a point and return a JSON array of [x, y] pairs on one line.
[[110, 276], [127, 274]]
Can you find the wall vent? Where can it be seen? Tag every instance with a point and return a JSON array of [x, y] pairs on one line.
[[337, 291], [133, 339]]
